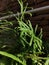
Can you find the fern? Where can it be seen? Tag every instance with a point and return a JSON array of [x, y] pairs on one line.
[[28, 45]]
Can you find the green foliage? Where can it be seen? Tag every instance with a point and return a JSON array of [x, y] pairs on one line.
[[23, 41], [11, 56]]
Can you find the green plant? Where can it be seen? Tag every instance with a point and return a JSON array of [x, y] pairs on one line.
[[28, 45]]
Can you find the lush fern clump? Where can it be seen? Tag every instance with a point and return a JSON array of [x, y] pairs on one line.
[[19, 44]]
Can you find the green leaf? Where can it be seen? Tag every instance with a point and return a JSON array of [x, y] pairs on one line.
[[11, 56], [47, 62]]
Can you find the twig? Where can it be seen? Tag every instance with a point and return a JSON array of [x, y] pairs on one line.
[[30, 11]]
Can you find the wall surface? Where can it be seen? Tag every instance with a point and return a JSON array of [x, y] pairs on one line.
[[8, 5], [3, 5]]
